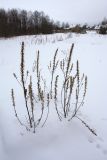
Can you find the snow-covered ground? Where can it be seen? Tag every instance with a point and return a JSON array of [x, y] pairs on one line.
[[56, 140]]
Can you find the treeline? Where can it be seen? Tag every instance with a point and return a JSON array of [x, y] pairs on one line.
[[20, 22]]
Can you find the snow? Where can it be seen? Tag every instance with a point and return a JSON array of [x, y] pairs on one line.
[[56, 140]]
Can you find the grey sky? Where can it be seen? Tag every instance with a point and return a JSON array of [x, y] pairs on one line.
[[73, 11]]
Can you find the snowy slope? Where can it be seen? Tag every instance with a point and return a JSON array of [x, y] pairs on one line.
[[56, 140]]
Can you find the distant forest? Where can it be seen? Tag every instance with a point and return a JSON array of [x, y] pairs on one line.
[[20, 22]]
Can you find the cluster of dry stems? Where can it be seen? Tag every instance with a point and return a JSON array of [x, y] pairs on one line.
[[73, 88]]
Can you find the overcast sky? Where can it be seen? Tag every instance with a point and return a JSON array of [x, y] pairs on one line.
[[73, 11]]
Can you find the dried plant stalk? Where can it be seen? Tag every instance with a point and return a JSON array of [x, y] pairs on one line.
[[22, 69], [87, 126], [55, 96], [54, 66], [14, 106]]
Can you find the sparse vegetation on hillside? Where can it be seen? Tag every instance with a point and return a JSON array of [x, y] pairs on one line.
[[103, 27]]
